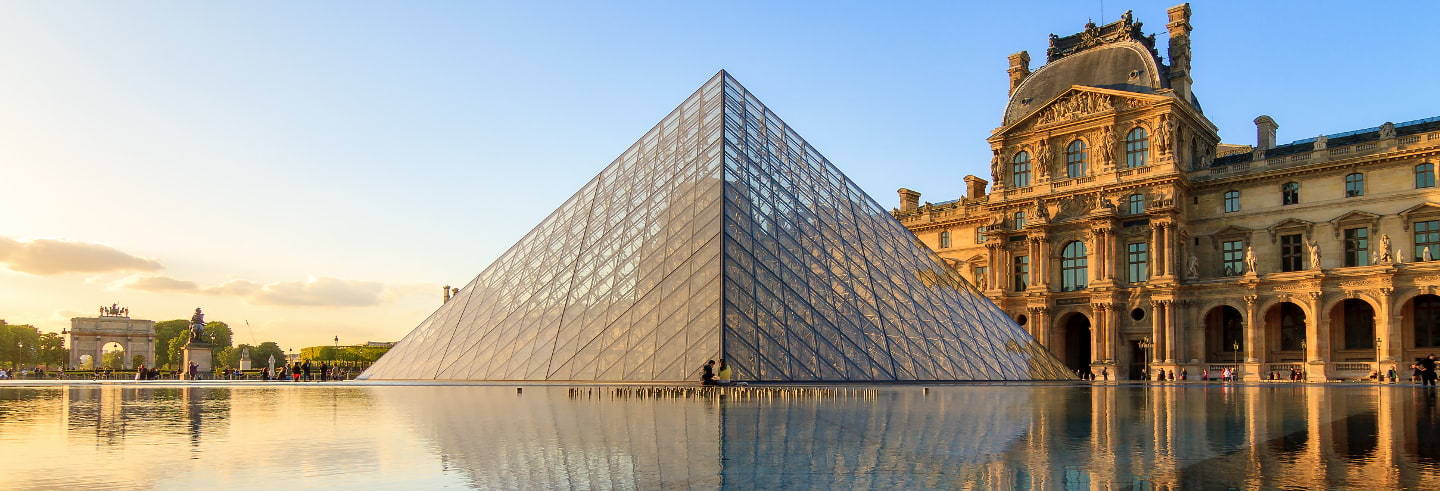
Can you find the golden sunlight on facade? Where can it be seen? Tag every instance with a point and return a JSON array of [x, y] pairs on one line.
[[1129, 240]]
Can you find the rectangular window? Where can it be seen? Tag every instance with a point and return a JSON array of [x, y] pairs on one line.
[[1022, 273], [945, 239], [1427, 237], [1232, 201], [980, 234], [1354, 185], [1291, 253], [1357, 247], [1232, 255], [1138, 258], [1019, 220], [980, 272]]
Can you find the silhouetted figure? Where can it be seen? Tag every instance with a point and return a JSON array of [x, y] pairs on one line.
[[1427, 371], [707, 373]]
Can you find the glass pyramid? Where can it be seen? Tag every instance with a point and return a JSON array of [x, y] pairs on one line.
[[720, 232]]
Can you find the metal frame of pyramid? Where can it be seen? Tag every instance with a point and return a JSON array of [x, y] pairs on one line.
[[720, 232]]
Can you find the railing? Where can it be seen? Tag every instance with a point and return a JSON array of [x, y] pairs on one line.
[[1364, 147], [1406, 140], [1354, 367], [1216, 367], [1340, 150]]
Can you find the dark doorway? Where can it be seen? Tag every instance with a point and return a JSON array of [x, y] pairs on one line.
[[1077, 342], [1137, 361]]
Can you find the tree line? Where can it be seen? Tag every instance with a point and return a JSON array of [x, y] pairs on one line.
[[25, 346]]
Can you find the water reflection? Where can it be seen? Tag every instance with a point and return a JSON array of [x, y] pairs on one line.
[[1028, 436]]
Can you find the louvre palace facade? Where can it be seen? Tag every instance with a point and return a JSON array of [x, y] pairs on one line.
[[1125, 236]]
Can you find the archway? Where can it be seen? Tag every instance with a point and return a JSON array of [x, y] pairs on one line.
[[1352, 331], [1224, 335], [1285, 333], [112, 356], [1420, 326], [1075, 342]]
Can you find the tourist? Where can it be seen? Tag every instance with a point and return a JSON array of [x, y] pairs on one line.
[[3, 374], [305, 367], [295, 372], [1205, 375], [723, 373], [140, 372], [707, 373], [1184, 373], [1391, 373], [1104, 373], [1427, 371]]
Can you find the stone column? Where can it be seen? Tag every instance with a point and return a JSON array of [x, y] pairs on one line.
[[1387, 328], [1157, 330], [1317, 339], [1157, 262], [1170, 330], [1252, 332], [1042, 263], [1097, 331]]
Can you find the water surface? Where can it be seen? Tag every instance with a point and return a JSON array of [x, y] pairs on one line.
[[985, 436]]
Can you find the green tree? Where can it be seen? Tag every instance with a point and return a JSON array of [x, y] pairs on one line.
[[218, 334], [173, 353], [164, 332], [51, 350], [114, 359], [260, 355], [136, 361], [19, 345], [227, 357]]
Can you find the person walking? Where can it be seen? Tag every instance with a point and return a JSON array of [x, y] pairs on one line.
[[305, 368], [1427, 371]]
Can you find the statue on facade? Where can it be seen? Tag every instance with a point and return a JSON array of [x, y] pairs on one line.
[[1399, 255], [1107, 146], [997, 168], [1387, 131], [1385, 257], [197, 326], [1166, 132], [1249, 259], [1192, 269], [1425, 254], [1043, 158], [1314, 254], [980, 282]]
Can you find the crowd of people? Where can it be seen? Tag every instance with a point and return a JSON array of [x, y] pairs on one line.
[[303, 370]]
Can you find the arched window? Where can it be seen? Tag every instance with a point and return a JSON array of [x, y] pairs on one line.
[[1232, 201], [1290, 193], [1137, 147], [1425, 175], [1075, 159], [1135, 204], [1354, 185], [1073, 270], [1427, 321], [1020, 170]]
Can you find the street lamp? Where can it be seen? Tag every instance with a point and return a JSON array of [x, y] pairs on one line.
[[1145, 346], [1378, 376], [1236, 346]]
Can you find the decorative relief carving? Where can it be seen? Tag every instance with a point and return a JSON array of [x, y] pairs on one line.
[[1107, 147], [1077, 105], [1363, 283], [1044, 156], [1165, 131]]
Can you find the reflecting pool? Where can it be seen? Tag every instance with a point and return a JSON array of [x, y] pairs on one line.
[[964, 436]]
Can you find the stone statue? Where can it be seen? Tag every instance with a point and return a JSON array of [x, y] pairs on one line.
[[1249, 259], [980, 281], [197, 326], [1399, 255], [1385, 257], [1041, 212], [1043, 158], [1314, 254], [1387, 131], [1193, 268], [1107, 146], [997, 168], [1425, 254], [1166, 130]]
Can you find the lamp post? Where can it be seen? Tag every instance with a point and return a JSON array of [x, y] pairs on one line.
[[1145, 346], [1305, 362], [1236, 346], [1378, 352]]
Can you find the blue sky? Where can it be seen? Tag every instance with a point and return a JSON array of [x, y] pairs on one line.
[[407, 144]]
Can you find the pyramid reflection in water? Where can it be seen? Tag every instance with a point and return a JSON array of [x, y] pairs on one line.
[[720, 232]]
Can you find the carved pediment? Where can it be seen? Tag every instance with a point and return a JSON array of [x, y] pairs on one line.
[[1080, 102], [1352, 219], [976, 260], [1427, 211], [1290, 224], [1231, 232]]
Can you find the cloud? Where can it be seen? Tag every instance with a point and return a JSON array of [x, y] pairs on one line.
[[51, 257], [157, 284], [314, 292], [320, 292]]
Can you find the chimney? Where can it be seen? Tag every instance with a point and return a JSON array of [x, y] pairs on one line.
[[1265, 132], [1019, 69], [1179, 51], [975, 187], [446, 288], [909, 200]]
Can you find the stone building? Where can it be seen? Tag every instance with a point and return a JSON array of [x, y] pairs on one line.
[[1124, 235], [88, 337]]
